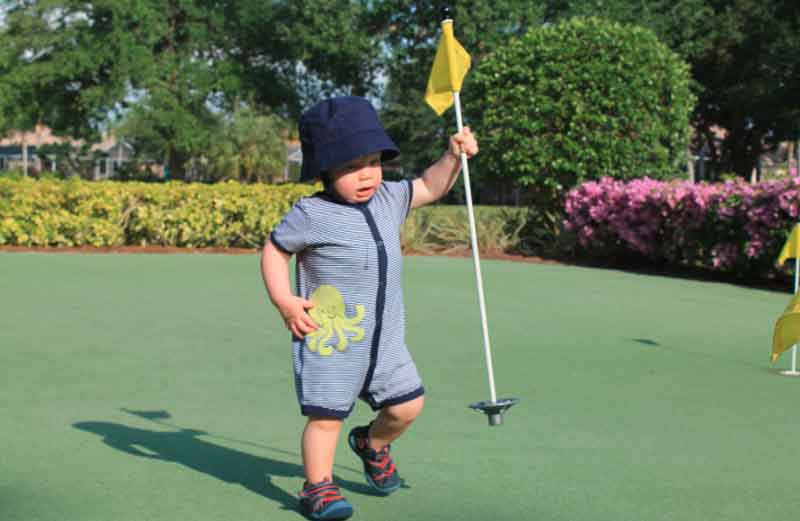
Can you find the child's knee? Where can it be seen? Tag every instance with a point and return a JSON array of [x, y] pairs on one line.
[[406, 412], [319, 423]]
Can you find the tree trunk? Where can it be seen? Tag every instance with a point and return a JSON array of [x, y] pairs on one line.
[[176, 165], [24, 154]]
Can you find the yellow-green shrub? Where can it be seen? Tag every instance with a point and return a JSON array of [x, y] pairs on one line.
[[78, 213], [108, 214], [221, 215], [57, 213]]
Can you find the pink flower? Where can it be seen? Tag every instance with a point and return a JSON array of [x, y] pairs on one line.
[[720, 225]]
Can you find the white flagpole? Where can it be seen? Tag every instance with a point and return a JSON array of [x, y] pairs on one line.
[[793, 370], [796, 281], [475, 255]]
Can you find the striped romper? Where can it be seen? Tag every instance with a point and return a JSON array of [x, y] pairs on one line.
[[352, 253]]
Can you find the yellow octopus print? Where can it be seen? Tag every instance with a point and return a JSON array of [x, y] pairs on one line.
[[329, 314]]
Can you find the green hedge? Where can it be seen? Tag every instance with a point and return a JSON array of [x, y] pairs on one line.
[[51, 213], [108, 214]]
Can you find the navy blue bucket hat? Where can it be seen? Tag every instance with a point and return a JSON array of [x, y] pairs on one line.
[[338, 130]]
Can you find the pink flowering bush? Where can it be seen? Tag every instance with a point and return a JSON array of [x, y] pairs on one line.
[[731, 226]]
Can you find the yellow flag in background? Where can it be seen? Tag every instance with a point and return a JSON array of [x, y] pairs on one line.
[[449, 68], [787, 328], [791, 250]]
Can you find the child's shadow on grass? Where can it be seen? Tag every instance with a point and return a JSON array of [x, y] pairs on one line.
[[229, 465]]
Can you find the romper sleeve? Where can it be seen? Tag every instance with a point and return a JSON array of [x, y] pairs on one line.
[[290, 235], [399, 195]]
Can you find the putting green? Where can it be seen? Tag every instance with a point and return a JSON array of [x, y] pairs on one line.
[[159, 387]]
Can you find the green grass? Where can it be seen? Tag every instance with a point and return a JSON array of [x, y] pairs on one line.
[[159, 387]]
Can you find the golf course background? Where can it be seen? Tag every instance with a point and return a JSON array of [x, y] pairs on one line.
[[159, 387]]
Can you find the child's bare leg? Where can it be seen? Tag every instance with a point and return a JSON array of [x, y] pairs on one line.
[[392, 421], [319, 447]]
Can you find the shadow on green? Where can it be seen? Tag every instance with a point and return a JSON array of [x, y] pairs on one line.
[[184, 447]]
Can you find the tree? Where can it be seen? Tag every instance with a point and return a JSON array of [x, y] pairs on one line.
[[292, 53], [248, 147], [20, 110], [683, 25], [22, 118], [750, 77], [171, 67], [580, 100], [745, 62], [78, 62]]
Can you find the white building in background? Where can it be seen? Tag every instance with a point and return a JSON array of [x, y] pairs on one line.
[[13, 144], [113, 155]]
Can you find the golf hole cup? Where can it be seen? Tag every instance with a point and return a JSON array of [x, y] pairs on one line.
[[494, 410]]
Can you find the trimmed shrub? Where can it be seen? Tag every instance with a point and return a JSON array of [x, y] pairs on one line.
[[54, 213], [580, 100], [81, 213], [732, 226]]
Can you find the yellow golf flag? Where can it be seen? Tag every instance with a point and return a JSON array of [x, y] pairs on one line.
[[449, 68], [787, 328], [791, 250]]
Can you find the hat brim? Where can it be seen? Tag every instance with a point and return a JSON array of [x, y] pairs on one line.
[[342, 151]]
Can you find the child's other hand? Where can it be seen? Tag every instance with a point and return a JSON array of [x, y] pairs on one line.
[[295, 316], [465, 142]]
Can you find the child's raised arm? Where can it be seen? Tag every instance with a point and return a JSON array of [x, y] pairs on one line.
[[440, 177], [275, 272]]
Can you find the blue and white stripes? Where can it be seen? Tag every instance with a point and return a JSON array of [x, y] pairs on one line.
[[355, 248]]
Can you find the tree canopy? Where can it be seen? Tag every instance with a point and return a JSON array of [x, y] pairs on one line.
[[174, 67], [745, 63]]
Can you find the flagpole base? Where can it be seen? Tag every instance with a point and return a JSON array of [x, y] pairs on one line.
[[789, 372], [494, 410]]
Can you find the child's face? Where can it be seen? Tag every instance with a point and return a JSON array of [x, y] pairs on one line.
[[357, 181]]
